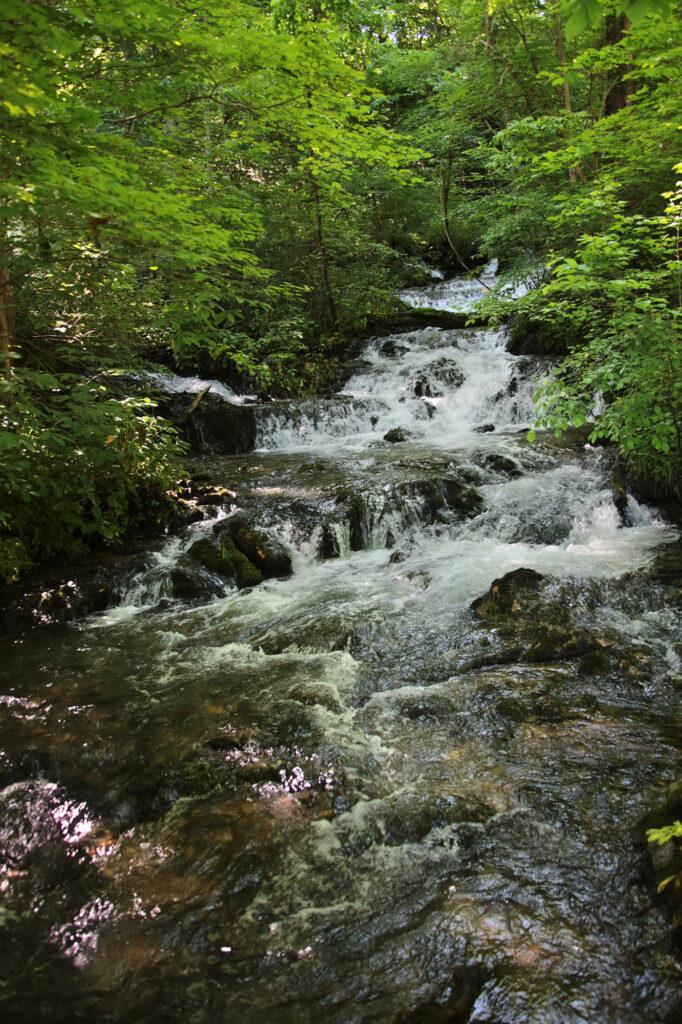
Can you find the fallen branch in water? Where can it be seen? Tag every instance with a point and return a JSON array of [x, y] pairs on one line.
[[193, 407]]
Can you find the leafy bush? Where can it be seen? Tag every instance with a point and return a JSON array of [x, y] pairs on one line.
[[78, 467], [621, 292]]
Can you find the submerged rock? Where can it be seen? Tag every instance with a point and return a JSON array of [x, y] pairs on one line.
[[447, 372], [42, 839], [378, 518], [619, 493], [188, 585], [323, 694], [393, 348], [533, 620], [423, 389], [330, 544], [501, 464]]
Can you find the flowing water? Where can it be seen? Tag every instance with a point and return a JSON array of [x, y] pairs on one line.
[[340, 793]]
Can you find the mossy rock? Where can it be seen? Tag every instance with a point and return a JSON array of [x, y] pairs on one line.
[[204, 552], [246, 574], [226, 560], [502, 464], [269, 556]]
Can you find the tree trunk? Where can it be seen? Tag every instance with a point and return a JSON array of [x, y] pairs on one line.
[[6, 311], [324, 256], [560, 50], [617, 92]]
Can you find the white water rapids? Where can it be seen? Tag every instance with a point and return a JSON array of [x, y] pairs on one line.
[[554, 514]]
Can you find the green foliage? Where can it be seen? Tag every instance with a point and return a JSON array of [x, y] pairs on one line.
[[584, 13], [142, 147], [78, 467], [185, 184], [665, 834], [661, 836]]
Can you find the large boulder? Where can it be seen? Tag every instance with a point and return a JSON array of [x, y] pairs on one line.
[[531, 619], [216, 425], [187, 584], [330, 543]]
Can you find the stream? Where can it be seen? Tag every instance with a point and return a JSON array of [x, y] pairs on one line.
[[345, 792]]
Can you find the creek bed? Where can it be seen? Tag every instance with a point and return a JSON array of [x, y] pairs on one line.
[[344, 793]]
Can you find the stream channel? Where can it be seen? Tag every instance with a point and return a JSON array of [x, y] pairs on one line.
[[345, 794]]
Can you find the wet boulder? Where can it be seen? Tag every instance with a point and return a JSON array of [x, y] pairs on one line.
[[667, 569], [502, 464], [535, 620], [397, 435], [509, 595], [269, 556], [221, 556], [619, 493], [485, 428], [42, 836], [329, 544], [398, 556], [447, 372], [215, 425], [460, 496], [189, 584], [392, 348], [204, 552], [410, 817], [322, 694], [423, 389], [441, 494]]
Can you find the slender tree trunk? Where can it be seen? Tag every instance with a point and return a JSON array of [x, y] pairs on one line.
[[618, 91], [6, 311], [324, 256], [498, 59], [560, 50], [488, 25], [445, 181]]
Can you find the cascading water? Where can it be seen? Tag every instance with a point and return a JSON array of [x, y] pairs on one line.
[[339, 793]]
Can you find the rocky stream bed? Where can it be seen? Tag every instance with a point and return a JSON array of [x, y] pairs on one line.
[[375, 735]]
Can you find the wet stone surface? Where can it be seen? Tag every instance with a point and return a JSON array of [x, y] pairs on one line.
[[344, 791]]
